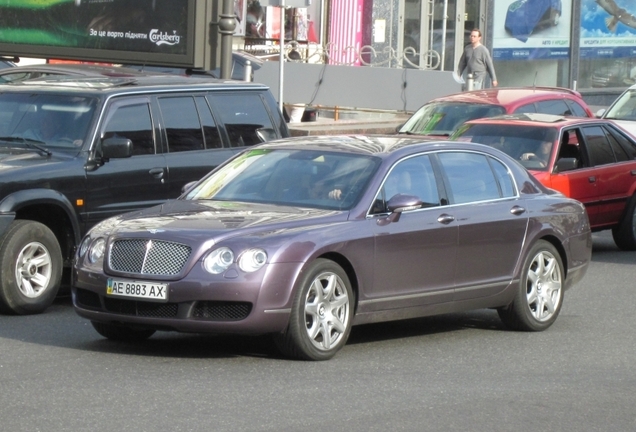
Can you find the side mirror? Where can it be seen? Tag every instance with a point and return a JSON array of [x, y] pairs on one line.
[[266, 134], [566, 164], [398, 204], [600, 112], [186, 187], [116, 148]]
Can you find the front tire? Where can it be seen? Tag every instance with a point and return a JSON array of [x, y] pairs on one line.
[[121, 332], [624, 233], [540, 295], [321, 315], [30, 268]]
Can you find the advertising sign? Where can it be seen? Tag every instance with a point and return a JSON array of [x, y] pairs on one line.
[[149, 31], [608, 28], [531, 29]]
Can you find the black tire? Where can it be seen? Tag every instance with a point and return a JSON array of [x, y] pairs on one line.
[[540, 295], [625, 233], [121, 332], [30, 268], [323, 305]]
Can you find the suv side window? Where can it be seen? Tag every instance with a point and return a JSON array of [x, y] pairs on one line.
[[210, 130], [598, 148], [470, 177], [242, 115], [577, 109], [181, 122], [132, 122], [555, 106]]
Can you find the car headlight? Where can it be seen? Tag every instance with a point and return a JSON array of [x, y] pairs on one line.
[[218, 260], [84, 246], [252, 259], [96, 251]]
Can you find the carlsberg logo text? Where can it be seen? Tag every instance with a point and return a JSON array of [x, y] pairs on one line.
[[164, 38]]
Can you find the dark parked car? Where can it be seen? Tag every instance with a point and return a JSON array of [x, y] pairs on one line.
[[441, 116], [77, 150], [303, 238], [590, 160]]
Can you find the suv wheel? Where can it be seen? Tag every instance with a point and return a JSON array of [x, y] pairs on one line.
[[30, 268]]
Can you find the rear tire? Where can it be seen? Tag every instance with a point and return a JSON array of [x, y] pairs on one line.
[[540, 294], [30, 268], [121, 332], [320, 321], [624, 233]]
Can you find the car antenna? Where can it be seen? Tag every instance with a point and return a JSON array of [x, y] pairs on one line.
[[534, 83]]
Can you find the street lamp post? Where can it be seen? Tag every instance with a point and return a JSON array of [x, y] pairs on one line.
[[227, 25]]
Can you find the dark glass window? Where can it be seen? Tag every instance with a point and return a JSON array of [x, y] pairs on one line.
[[503, 178], [598, 148], [470, 177], [528, 108], [133, 122], [210, 130], [242, 115], [577, 109], [627, 147], [556, 106], [181, 121]]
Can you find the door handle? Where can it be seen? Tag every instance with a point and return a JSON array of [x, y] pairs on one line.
[[516, 210], [445, 219], [156, 172], [592, 179]]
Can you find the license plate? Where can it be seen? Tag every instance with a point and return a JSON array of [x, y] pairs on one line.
[[137, 289]]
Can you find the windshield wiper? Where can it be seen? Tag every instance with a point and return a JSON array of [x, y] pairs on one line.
[[30, 143]]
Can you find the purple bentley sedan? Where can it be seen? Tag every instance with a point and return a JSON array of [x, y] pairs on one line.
[[305, 237]]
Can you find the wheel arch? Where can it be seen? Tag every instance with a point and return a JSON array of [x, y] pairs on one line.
[[346, 265], [50, 208], [554, 241]]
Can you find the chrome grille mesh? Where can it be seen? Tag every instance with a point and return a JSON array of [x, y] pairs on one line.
[[148, 257]]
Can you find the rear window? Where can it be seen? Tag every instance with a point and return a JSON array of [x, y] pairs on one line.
[[442, 118]]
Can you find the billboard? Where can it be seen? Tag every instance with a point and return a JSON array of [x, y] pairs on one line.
[[608, 28], [532, 29], [122, 31]]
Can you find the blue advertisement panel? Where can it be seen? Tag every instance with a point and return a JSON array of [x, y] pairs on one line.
[[531, 29], [608, 29]]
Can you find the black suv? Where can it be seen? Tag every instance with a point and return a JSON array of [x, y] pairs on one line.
[[77, 150]]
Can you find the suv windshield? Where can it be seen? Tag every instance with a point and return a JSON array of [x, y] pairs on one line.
[[441, 118], [624, 108], [531, 146], [50, 121]]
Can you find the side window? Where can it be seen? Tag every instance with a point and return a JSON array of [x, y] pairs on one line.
[[504, 179], [470, 177], [627, 148], [413, 176], [181, 122], [528, 108], [577, 109], [242, 114], [598, 148], [132, 122], [556, 107], [210, 130]]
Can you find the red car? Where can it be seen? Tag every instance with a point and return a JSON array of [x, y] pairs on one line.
[[441, 116], [591, 160]]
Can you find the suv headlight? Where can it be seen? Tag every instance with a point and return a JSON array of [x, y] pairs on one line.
[[218, 260], [252, 259]]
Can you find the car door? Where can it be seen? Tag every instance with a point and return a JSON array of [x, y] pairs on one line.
[[580, 183], [192, 139], [121, 185], [491, 219], [413, 257], [615, 170]]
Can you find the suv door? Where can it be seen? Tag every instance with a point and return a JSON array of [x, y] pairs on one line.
[[121, 185], [193, 140]]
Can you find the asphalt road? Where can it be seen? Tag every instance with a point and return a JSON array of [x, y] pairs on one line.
[[460, 372]]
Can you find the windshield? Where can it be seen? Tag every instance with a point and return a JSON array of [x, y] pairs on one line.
[[51, 121], [531, 146], [624, 108], [442, 118], [303, 178]]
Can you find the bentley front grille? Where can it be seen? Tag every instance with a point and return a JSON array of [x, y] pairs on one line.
[[148, 257]]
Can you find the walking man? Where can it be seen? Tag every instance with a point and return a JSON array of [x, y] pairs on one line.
[[476, 60]]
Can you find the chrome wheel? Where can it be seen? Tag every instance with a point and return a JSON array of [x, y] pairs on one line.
[[543, 286], [33, 270], [326, 311]]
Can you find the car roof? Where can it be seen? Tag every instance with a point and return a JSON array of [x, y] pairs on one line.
[[76, 69], [506, 96], [535, 119], [103, 85]]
